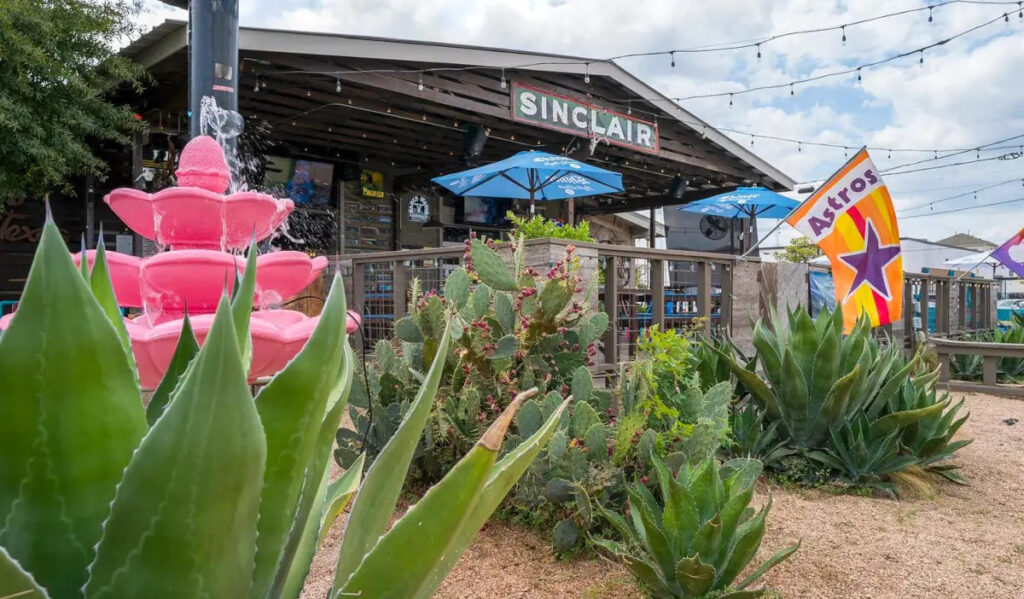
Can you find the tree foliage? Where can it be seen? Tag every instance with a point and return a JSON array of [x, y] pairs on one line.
[[800, 250], [57, 61]]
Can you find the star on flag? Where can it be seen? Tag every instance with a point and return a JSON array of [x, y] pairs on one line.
[[869, 264]]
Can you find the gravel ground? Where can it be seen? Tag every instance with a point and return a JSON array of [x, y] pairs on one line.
[[965, 542]]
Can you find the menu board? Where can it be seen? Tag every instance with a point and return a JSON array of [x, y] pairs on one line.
[[369, 215]]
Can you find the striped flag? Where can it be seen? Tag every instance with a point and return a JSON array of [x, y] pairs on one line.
[[852, 220]]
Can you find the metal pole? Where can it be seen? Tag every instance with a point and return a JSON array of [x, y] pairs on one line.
[[980, 262], [213, 57], [766, 236], [653, 232]]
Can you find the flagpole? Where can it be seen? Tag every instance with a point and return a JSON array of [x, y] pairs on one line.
[[980, 262]]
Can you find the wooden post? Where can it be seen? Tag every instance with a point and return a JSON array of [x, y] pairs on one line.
[[725, 310], [988, 370], [961, 312], [358, 299], [942, 307], [908, 313], [652, 232], [611, 302], [986, 308], [922, 304], [944, 367], [399, 288], [658, 293], [704, 295]]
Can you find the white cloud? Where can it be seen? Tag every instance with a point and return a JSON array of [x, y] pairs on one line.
[[967, 92]]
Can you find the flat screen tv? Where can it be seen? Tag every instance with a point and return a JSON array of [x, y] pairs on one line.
[[306, 182], [482, 211]]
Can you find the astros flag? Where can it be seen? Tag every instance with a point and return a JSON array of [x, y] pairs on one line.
[[852, 219]]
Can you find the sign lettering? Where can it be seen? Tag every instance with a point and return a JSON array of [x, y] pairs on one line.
[[580, 117]]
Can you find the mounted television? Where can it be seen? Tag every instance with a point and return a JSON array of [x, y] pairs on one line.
[[306, 182], [482, 211]]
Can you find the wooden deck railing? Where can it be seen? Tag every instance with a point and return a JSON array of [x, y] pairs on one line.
[[639, 288], [991, 354]]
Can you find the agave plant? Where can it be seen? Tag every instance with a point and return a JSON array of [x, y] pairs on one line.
[[753, 438], [220, 494], [930, 439], [697, 539], [817, 379]]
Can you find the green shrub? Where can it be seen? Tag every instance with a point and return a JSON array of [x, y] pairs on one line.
[[539, 227], [695, 539], [225, 494]]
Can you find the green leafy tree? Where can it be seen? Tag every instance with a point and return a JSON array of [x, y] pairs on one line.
[[801, 250], [57, 60]]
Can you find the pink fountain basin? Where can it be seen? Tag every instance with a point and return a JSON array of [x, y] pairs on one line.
[[277, 336], [169, 283], [197, 218], [124, 273]]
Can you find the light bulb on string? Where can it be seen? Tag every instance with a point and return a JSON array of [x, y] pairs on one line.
[[504, 83], [730, 99], [921, 59], [791, 91], [799, 147], [256, 86], [846, 152], [751, 141], [586, 73], [930, 19], [629, 107], [419, 86], [337, 85], [759, 51], [859, 79], [890, 154], [1006, 18], [673, 56], [977, 155], [309, 93], [844, 34], [1020, 11], [704, 132]]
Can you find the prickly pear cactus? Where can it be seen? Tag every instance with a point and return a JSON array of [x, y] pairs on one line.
[[514, 328]]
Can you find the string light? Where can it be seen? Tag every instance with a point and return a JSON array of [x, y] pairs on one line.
[[844, 34], [759, 51], [629, 107], [730, 99], [256, 86], [1006, 18], [586, 73], [673, 55], [754, 44], [704, 133], [930, 14], [504, 83], [792, 92], [858, 75], [1020, 11], [799, 147], [420, 85], [308, 93], [337, 86], [751, 141]]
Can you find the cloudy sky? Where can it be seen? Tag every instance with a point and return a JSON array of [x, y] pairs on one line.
[[966, 94]]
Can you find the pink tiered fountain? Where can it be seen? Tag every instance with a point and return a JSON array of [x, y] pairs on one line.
[[202, 227]]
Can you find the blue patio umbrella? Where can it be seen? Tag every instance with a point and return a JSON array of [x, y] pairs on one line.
[[533, 176], [744, 202]]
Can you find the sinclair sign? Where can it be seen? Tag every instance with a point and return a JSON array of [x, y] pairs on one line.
[[579, 117]]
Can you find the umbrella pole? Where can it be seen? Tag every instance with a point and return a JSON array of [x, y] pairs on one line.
[[766, 236], [572, 212]]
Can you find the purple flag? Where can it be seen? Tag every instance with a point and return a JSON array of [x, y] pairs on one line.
[[1011, 253]]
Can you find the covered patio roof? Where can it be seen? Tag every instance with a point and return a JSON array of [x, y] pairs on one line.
[[404, 107]]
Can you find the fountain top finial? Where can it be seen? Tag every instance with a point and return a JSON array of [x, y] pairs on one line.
[[202, 164]]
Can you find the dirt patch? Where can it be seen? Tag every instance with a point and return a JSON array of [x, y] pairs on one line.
[[964, 542]]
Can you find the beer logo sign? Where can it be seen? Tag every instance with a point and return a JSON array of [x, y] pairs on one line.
[[419, 209]]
